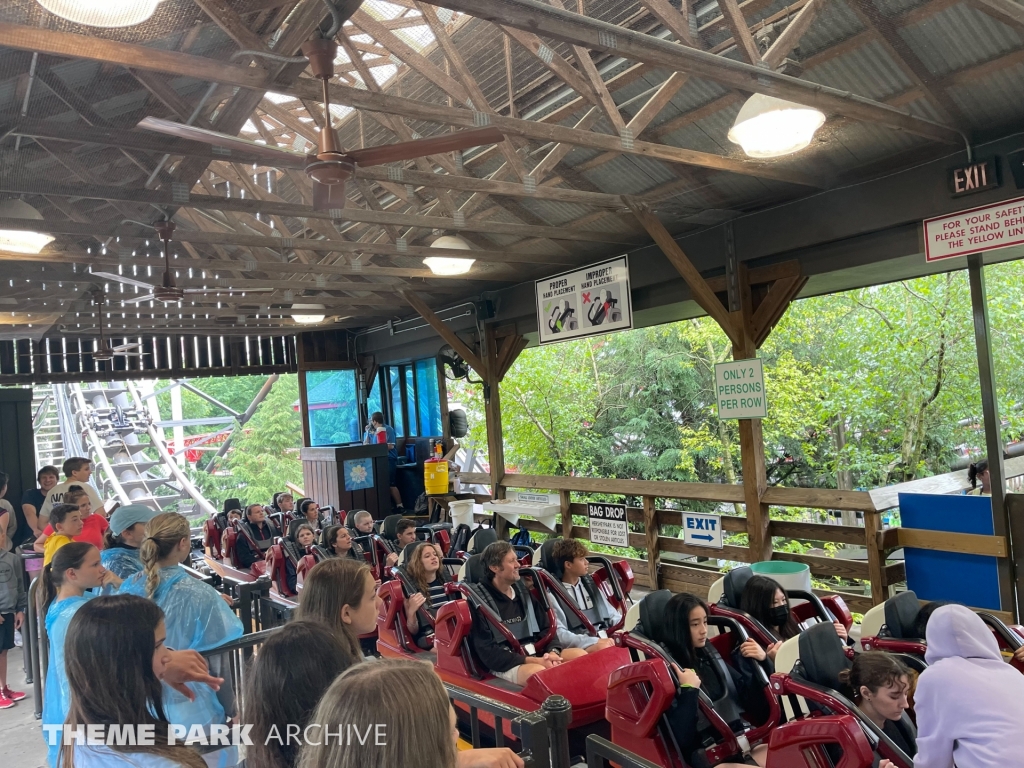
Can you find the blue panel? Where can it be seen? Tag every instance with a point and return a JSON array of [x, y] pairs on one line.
[[333, 408], [429, 406], [969, 579]]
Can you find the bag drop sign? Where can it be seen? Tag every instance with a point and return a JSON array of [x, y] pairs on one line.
[[608, 524], [739, 389]]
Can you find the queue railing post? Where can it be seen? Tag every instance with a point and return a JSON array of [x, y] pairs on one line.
[[32, 645], [601, 752], [558, 712]]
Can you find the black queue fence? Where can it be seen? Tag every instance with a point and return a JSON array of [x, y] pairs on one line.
[[601, 753], [541, 737]]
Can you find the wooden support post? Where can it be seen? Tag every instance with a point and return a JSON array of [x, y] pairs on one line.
[[876, 558], [651, 529], [565, 500]]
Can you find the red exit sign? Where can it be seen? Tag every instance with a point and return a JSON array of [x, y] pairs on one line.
[[976, 177]]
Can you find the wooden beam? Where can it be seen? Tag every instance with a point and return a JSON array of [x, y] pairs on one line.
[[673, 20], [791, 35], [651, 533], [46, 41], [740, 31], [250, 205], [774, 306], [1006, 11], [445, 332], [553, 61], [699, 289], [599, 35], [67, 44], [420, 63], [943, 541], [478, 98], [225, 17]]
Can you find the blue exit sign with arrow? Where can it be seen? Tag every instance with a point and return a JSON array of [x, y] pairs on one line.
[[702, 530]]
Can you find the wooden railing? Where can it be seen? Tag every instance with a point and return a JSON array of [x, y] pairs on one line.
[[656, 571]]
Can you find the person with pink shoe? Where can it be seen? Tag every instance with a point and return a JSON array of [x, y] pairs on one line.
[[13, 603]]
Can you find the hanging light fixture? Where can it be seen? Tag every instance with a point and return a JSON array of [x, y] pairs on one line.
[[102, 13], [771, 127], [449, 265], [20, 241], [307, 313]]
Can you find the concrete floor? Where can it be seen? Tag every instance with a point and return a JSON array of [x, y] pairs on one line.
[[21, 738]]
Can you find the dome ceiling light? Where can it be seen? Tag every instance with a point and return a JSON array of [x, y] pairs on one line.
[[449, 265], [102, 13], [20, 241], [307, 314], [769, 127]]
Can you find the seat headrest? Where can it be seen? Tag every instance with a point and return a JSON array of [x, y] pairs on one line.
[[230, 504], [735, 582], [652, 615], [547, 562], [406, 555], [293, 527], [901, 614], [822, 655], [481, 539], [388, 528], [474, 570]]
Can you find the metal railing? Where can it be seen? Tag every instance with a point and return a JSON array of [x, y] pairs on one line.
[[542, 736], [601, 753]]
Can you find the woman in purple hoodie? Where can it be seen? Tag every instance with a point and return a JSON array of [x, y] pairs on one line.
[[969, 702]]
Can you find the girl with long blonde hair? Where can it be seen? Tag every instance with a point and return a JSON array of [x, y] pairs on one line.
[[197, 616]]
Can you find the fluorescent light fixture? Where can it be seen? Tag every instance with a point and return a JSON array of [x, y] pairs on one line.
[[102, 13], [306, 313], [21, 241], [449, 265], [771, 127]]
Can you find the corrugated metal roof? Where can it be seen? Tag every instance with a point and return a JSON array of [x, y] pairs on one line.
[[959, 37]]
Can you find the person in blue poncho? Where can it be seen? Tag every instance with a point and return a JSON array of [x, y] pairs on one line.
[[116, 656], [197, 616], [121, 541], [74, 569]]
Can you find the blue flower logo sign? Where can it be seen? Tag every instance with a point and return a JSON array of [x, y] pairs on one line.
[[358, 474]]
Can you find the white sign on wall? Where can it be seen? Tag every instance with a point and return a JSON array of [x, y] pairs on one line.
[[584, 302], [976, 229], [608, 524], [702, 530], [739, 390]]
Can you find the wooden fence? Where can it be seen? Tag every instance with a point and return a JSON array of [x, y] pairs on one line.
[[658, 571]]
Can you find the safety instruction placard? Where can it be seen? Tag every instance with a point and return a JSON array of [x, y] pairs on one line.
[[608, 524], [584, 302], [701, 530], [976, 229], [739, 390]]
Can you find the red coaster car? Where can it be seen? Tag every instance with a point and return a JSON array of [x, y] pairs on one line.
[[893, 627], [583, 681], [807, 608], [807, 678], [612, 580], [641, 723]]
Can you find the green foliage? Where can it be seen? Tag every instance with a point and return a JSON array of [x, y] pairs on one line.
[[865, 388]]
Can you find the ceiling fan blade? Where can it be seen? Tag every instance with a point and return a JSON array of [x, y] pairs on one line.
[[123, 279], [410, 150], [250, 148], [139, 299], [211, 291], [328, 197], [125, 347]]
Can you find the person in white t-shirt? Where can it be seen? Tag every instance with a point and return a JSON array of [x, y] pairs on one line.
[[77, 471]]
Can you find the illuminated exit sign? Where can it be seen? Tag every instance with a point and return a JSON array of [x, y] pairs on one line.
[[976, 177]]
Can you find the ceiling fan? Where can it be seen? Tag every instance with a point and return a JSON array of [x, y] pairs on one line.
[[330, 167], [168, 292], [103, 351]]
